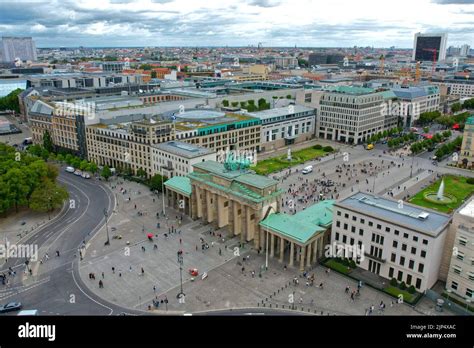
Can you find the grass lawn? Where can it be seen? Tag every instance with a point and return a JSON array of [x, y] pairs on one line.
[[338, 266], [407, 297], [454, 185], [272, 165]]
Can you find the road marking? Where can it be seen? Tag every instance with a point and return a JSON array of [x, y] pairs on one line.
[[90, 298]]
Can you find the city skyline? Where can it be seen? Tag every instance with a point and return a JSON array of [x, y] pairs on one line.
[[274, 23]]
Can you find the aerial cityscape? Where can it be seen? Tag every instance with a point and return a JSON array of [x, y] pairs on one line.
[[233, 158]]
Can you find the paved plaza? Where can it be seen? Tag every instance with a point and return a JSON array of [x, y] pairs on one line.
[[142, 274]]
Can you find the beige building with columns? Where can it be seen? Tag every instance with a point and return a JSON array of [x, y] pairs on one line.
[[248, 205]]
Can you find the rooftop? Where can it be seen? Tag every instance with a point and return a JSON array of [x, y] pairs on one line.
[[410, 216], [352, 90], [468, 209], [180, 184], [263, 115], [303, 225], [470, 120], [183, 149], [247, 178]]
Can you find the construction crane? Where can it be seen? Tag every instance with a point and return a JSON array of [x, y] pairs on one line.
[[417, 72], [435, 58], [382, 64]]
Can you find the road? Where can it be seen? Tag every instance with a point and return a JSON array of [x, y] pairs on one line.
[[55, 287]]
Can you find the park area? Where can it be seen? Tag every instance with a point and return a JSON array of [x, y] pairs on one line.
[[276, 164], [457, 188]]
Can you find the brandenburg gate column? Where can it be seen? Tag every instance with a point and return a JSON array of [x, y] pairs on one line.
[[308, 261], [272, 245], [292, 254], [282, 249], [303, 252]]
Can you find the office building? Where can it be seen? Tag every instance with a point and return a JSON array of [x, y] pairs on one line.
[[325, 58], [125, 142], [465, 50], [218, 131], [460, 282], [175, 158], [23, 48], [286, 62], [425, 45], [413, 101], [466, 155], [346, 113], [285, 126], [83, 80], [404, 242]]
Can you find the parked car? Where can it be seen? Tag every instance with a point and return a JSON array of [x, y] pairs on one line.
[[70, 169], [28, 312], [78, 172], [10, 307], [86, 175]]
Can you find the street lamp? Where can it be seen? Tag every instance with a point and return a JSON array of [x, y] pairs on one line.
[[106, 214], [163, 190], [180, 262]]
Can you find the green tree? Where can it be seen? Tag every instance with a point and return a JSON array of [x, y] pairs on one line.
[[10, 101], [141, 173], [235, 104], [156, 182], [456, 107], [225, 103], [106, 173], [153, 74], [83, 165], [48, 196], [16, 187], [47, 141]]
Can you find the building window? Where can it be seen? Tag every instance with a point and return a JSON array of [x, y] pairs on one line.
[[409, 279], [390, 272], [469, 292], [411, 264], [396, 232], [425, 241], [457, 270], [379, 227], [415, 238], [423, 253], [413, 250], [393, 258], [354, 218], [338, 224], [338, 213], [353, 229], [454, 285], [421, 268], [362, 221], [337, 236], [387, 229], [405, 235], [371, 223], [361, 232], [400, 276], [418, 283], [344, 239], [402, 261], [404, 247], [395, 244], [345, 227]]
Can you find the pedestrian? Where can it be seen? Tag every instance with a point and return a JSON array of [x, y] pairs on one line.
[[103, 276], [101, 284], [57, 253], [130, 269], [143, 271], [113, 270], [154, 288], [180, 241]]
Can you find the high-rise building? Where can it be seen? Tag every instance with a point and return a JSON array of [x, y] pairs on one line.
[[323, 58], [23, 48], [466, 157], [425, 44], [465, 49]]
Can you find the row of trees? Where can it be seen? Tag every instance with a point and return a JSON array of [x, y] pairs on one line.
[[448, 148], [425, 144], [402, 140], [382, 135], [427, 118], [27, 180], [10, 101], [249, 105]]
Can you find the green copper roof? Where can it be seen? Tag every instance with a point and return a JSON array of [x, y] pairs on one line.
[[303, 225], [180, 184], [389, 95], [352, 90], [470, 120], [287, 225], [247, 177]]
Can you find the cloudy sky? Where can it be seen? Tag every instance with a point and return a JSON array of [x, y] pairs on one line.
[[315, 23]]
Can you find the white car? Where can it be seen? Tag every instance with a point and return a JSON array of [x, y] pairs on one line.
[[86, 175], [307, 170], [78, 172], [70, 169]]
